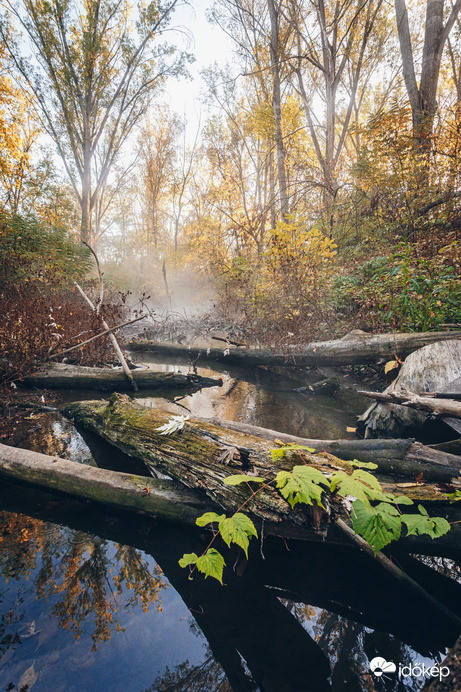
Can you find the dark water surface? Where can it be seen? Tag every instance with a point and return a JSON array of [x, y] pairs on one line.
[[96, 600]]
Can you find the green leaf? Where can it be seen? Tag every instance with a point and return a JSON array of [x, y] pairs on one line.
[[303, 484], [280, 452], [188, 559], [400, 500], [237, 529], [377, 525], [360, 484], [242, 478], [418, 524], [209, 518], [363, 464], [211, 564]]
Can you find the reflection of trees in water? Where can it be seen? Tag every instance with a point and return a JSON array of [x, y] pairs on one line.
[[350, 646], [80, 572], [443, 565], [207, 676]]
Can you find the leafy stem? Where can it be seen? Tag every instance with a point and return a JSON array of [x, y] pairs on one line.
[[375, 515]]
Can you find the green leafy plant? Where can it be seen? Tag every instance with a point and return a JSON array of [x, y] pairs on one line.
[[376, 515]]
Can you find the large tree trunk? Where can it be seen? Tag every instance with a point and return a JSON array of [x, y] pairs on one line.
[[423, 98], [353, 349], [157, 498], [201, 455]]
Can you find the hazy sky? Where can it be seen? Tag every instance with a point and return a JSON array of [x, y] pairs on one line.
[[210, 45]]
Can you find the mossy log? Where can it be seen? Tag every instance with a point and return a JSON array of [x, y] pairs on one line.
[[154, 497], [201, 455], [353, 349], [403, 458], [61, 376]]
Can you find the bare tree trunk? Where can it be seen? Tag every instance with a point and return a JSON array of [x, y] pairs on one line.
[[423, 98], [277, 106], [85, 230]]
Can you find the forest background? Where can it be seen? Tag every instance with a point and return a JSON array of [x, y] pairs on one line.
[[319, 192]]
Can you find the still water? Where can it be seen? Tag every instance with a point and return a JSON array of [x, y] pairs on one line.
[[95, 600]]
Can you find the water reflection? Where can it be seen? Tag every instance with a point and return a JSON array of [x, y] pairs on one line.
[[95, 600], [65, 594], [84, 578], [260, 397], [102, 608]]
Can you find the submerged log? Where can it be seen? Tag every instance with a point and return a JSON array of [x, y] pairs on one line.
[[353, 349], [60, 376], [201, 455], [434, 368]]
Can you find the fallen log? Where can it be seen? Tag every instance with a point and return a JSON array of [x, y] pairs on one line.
[[201, 455], [154, 497], [403, 458], [61, 376], [353, 349]]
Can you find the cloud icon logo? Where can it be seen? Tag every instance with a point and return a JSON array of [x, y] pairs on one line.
[[379, 666]]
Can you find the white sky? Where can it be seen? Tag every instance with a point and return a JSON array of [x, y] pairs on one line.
[[210, 45]]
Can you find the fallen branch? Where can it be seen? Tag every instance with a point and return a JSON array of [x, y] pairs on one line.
[[399, 574], [438, 406], [63, 376], [201, 455], [114, 341], [107, 331]]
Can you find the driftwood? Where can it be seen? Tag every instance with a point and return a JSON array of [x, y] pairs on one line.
[[60, 376], [355, 348], [434, 368]]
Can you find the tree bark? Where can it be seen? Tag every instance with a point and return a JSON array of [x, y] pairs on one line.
[[434, 368], [423, 98], [60, 376], [277, 107], [351, 350], [201, 455]]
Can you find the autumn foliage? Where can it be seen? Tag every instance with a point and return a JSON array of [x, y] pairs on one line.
[[42, 313]]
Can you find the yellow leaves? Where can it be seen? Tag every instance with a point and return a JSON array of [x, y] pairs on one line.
[[390, 365]]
